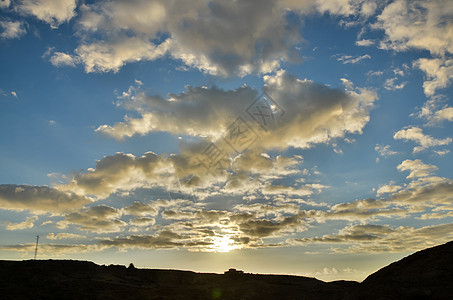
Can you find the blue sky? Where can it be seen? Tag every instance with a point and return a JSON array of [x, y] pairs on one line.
[[300, 137]]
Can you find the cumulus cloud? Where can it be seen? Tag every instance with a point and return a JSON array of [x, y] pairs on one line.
[[384, 150], [39, 198], [99, 219], [117, 172], [365, 42], [417, 168], [418, 24], [164, 239], [384, 238], [28, 223], [439, 72], [12, 29], [107, 56], [389, 188], [4, 3], [140, 209], [53, 12], [64, 236], [424, 141], [59, 59], [314, 113], [391, 85], [217, 37], [144, 221], [435, 111]]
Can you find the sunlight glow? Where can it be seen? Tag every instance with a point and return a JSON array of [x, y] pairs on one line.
[[223, 244]]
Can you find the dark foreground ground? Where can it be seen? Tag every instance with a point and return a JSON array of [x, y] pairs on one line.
[[427, 274]]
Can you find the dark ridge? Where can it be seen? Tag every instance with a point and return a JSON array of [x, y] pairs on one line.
[[427, 274]]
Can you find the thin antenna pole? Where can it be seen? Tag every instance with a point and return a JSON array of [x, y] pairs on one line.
[[36, 248]]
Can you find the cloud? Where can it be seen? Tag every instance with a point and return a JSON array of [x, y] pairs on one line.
[[417, 168], [108, 56], [117, 172], [12, 29], [144, 221], [416, 134], [140, 209], [418, 24], [388, 189], [98, 219], [314, 113], [14, 94], [4, 3], [59, 59], [217, 37], [53, 12], [439, 72], [264, 228], [64, 236], [348, 59], [28, 223], [365, 43], [442, 152], [390, 84], [164, 239], [39, 198], [362, 8], [384, 150], [435, 111], [384, 238], [49, 249]]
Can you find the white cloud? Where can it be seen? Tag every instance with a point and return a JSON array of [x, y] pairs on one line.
[[419, 24], [4, 3], [417, 168], [348, 59], [384, 238], [14, 94], [442, 152], [53, 12], [439, 72], [59, 59], [28, 223], [388, 189], [112, 55], [64, 236], [435, 111], [12, 29], [391, 85], [218, 37], [384, 150], [365, 43], [425, 141], [314, 113]]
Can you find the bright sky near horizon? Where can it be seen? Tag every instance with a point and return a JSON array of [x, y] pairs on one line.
[[301, 137]]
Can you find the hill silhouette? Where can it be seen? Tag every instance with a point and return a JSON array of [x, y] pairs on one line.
[[427, 274]]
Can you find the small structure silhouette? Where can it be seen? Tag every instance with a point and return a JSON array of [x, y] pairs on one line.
[[233, 272]]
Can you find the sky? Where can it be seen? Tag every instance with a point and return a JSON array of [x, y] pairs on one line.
[[304, 137]]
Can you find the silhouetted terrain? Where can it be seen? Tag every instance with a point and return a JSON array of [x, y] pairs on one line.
[[427, 274]]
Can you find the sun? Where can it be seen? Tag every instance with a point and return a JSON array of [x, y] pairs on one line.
[[223, 244]]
